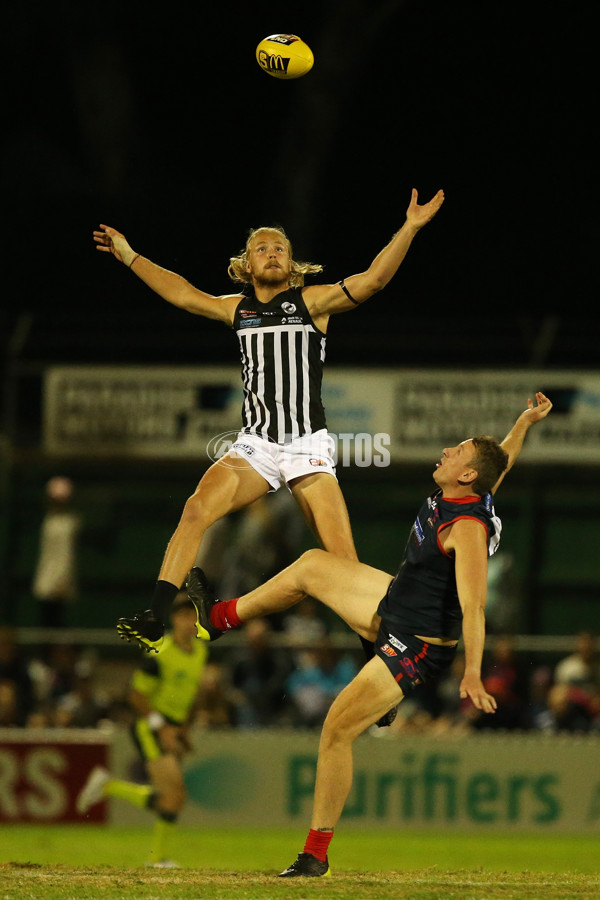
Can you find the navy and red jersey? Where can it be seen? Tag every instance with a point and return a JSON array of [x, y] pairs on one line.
[[422, 598]]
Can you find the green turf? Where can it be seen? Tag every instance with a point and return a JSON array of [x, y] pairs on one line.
[[269, 851], [99, 863]]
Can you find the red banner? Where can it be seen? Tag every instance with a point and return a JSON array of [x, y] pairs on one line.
[[42, 772]]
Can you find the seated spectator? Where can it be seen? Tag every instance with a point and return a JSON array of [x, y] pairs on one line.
[[14, 675], [571, 708], [301, 626], [537, 714], [83, 707], [217, 699], [315, 684], [581, 668], [503, 678], [259, 672], [9, 707]]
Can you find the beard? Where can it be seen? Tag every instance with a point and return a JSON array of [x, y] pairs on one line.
[[272, 277]]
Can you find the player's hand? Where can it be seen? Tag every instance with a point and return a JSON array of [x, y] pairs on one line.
[[535, 413], [417, 215], [185, 745], [169, 736], [109, 240], [472, 687]]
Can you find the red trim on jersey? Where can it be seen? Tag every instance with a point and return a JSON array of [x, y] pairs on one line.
[[457, 519], [473, 499]]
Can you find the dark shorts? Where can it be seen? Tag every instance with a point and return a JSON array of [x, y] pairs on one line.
[[146, 740], [410, 660]]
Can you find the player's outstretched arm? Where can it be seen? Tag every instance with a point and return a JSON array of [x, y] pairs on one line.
[[469, 543], [166, 284], [513, 442], [331, 298]]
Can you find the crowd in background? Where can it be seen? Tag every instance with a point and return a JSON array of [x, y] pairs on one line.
[[262, 682]]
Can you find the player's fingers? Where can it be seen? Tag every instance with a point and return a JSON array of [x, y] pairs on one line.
[[488, 704]]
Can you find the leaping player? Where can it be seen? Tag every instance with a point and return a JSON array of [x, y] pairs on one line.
[[281, 326]]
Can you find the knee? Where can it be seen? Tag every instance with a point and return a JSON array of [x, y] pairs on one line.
[[306, 567], [336, 730], [171, 800]]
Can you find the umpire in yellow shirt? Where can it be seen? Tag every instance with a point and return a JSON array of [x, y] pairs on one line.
[[163, 693]]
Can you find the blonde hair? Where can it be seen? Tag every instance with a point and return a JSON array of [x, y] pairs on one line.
[[237, 264]]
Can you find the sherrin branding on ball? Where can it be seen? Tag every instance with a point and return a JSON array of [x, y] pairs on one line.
[[284, 56]]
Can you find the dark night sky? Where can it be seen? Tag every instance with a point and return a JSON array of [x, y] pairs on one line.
[[158, 120]]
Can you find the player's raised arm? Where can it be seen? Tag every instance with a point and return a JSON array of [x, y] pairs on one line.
[[166, 284], [328, 299], [513, 442]]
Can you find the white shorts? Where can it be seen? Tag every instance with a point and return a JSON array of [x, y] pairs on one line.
[[281, 463]]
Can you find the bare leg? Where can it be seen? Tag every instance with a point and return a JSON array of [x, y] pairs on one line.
[[322, 503], [351, 589], [228, 485], [167, 780], [368, 697]]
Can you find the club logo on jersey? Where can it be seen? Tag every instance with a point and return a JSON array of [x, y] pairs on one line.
[[385, 648], [396, 643], [289, 308]]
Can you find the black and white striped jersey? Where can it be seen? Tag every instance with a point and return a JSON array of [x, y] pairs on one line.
[[282, 367]]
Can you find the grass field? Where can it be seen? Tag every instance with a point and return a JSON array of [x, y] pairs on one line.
[[62, 863]]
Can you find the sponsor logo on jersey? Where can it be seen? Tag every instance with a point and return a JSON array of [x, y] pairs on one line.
[[244, 313], [317, 462], [418, 531], [289, 308], [385, 648], [250, 323], [396, 643]]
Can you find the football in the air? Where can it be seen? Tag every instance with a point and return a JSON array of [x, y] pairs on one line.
[[284, 56]]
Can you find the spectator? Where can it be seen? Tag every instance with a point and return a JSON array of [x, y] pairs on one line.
[[538, 715], [55, 579], [502, 677], [571, 708], [9, 707], [217, 700], [259, 674], [304, 626], [582, 667], [83, 707], [314, 686], [17, 687]]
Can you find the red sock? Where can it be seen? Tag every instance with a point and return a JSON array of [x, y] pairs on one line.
[[224, 616], [318, 843]]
